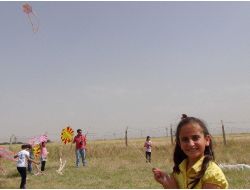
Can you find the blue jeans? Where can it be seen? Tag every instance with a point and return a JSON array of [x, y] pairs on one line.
[[80, 153], [29, 166]]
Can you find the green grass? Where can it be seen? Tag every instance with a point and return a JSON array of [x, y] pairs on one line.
[[112, 165]]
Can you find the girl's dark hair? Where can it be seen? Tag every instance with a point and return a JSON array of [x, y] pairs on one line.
[[179, 155], [24, 146]]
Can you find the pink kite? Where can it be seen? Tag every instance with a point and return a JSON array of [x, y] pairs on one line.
[[37, 140], [33, 19], [6, 153]]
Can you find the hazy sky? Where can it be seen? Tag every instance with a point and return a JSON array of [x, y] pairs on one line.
[[102, 66]]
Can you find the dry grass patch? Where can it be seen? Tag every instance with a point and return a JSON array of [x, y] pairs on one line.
[[112, 165]]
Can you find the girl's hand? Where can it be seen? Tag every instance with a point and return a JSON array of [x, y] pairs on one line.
[[159, 175], [37, 163], [168, 182]]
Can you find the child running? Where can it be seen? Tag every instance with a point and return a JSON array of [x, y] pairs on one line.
[[148, 147], [194, 166], [23, 158]]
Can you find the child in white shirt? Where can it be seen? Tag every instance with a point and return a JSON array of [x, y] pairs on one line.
[[23, 158]]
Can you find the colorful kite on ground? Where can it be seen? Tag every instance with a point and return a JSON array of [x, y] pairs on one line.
[[33, 19], [67, 135], [6, 153]]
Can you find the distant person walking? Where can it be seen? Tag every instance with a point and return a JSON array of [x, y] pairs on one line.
[[148, 149], [80, 150], [23, 157]]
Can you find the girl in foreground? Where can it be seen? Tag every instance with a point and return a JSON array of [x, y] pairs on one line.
[[194, 165]]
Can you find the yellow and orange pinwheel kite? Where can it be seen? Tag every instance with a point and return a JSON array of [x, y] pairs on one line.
[[67, 135], [36, 150]]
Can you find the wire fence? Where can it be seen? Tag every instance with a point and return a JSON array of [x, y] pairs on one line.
[[215, 128]]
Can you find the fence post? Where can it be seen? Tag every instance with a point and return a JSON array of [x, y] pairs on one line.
[[10, 140], [13, 139], [166, 131], [171, 133], [126, 137], [223, 132]]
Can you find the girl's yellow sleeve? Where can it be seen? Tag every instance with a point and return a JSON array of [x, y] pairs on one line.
[[214, 175]]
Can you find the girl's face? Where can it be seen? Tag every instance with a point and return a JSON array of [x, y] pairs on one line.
[[193, 141]]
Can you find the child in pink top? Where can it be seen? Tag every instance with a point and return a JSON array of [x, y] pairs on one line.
[[44, 154], [148, 149]]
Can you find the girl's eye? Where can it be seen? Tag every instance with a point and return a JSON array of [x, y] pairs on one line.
[[185, 139], [195, 137]]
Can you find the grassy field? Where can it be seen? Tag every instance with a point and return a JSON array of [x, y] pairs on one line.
[[112, 165]]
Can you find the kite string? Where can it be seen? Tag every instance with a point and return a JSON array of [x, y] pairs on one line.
[[141, 154], [34, 28], [37, 19]]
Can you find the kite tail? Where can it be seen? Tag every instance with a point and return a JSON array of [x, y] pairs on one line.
[[62, 165], [34, 22]]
